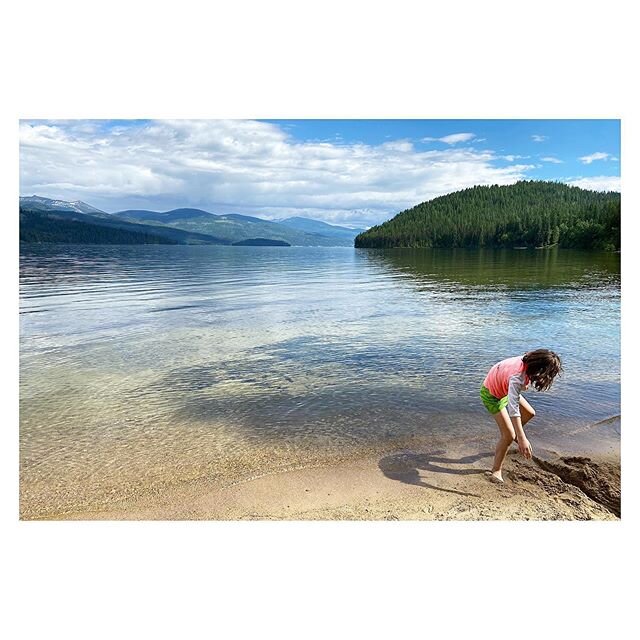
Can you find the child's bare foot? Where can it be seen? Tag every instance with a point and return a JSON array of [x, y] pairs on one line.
[[494, 476]]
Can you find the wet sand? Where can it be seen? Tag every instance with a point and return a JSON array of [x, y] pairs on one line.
[[406, 484]]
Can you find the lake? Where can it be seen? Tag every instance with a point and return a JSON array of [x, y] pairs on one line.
[[147, 365]]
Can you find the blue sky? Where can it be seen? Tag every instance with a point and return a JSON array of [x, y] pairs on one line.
[[351, 172], [563, 140]]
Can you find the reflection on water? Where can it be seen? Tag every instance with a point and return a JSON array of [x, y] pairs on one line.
[[141, 365], [502, 269]]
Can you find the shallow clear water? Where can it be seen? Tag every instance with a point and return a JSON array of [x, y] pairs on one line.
[[147, 364]]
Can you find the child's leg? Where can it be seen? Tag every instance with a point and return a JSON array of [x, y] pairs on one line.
[[507, 436], [526, 411]]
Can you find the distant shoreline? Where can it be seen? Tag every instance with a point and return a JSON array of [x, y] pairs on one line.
[[337, 246]]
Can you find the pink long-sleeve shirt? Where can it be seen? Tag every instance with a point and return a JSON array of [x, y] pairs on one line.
[[508, 378]]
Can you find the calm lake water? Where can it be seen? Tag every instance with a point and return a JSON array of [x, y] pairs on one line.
[[141, 365]]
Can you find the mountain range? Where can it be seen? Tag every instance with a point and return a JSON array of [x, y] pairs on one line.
[[49, 220]]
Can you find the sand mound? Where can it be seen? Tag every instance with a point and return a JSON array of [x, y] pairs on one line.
[[599, 481]]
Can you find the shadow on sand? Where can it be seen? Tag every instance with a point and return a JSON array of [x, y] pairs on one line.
[[405, 466]]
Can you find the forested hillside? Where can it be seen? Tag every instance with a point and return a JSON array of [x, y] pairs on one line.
[[44, 223], [525, 214], [39, 227]]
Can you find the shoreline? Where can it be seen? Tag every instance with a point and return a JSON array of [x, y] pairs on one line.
[[409, 483]]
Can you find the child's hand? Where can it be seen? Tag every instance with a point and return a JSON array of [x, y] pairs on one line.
[[525, 448]]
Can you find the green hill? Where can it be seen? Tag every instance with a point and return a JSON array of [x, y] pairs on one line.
[[261, 242], [73, 227], [233, 227], [38, 227], [525, 214]]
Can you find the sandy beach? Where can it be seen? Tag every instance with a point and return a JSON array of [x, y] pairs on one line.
[[405, 484]]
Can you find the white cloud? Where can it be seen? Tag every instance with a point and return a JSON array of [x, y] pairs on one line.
[[243, 166], [538, 138], [398, 145], [598, 155], [596, 183], [552, 159], [453, 138]]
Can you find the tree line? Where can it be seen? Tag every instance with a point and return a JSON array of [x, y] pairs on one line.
[[526, 214]]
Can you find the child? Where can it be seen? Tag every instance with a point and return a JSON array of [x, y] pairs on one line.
[[500, 393]]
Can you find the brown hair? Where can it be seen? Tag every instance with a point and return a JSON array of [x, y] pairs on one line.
[[542, 367]]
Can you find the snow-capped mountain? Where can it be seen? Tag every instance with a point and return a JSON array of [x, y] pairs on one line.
[[48, 204]]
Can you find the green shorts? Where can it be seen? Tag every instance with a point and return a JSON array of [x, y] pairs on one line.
[[492, 403]]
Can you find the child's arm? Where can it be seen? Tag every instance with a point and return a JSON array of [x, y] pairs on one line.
[[523, 443], [516, 384]]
